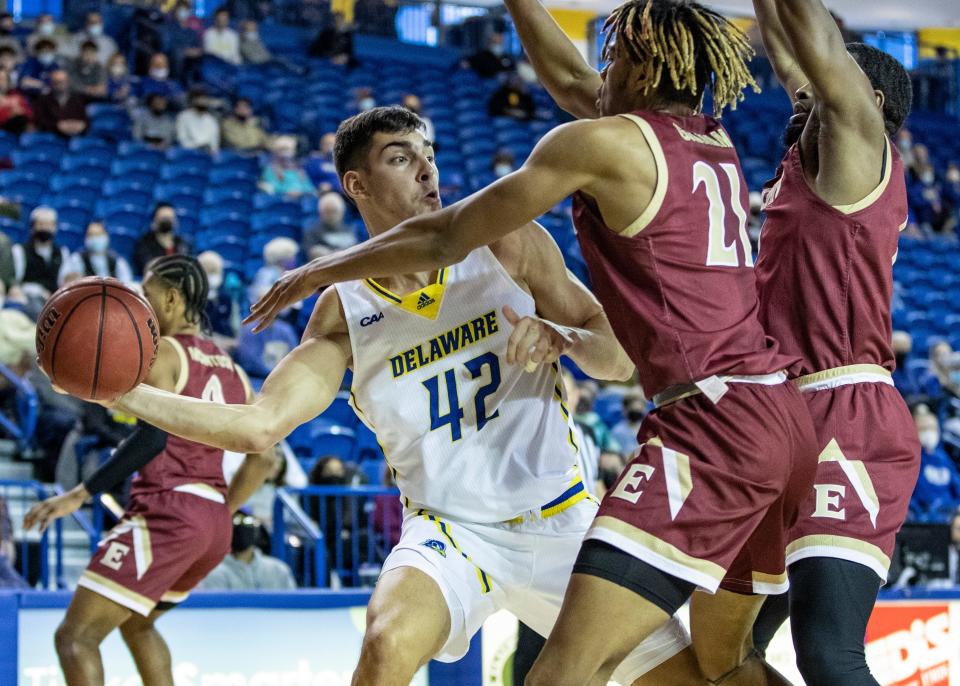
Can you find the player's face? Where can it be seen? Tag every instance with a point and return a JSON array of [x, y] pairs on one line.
[[614, 79], [401, 179], [164, 302], [804, 113]]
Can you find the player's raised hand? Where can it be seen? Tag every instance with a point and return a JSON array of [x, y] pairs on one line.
[[535, 341], [46, 512], [293, 286]]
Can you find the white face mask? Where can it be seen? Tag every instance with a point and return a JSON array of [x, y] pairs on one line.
[[502, 170], [95, 30], [215, 281], [45, 29], [159, 73], [366, 104], [929, 439]]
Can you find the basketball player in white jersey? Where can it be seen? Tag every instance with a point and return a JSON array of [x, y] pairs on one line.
[[457, 373]]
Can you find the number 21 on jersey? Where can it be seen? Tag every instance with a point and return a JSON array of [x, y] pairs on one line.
[[478, 367], [719, 252]]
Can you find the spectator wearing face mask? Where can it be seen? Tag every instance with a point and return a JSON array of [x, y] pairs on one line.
[[158, 80], [951, 188], [35, 73], [493, 59], [512, 100], [283, 175], [184, 44], [223, 299], [197, 128], [96, 258], [10, 63], [242, 131], [41, 261], [61, 111], [252, 48], [503, 163], [334, 41], [635, 408], [938, 486], [363, 99], [916, 386], [8, 37], [120, 85], [246, 568], [15, 111], [162, 239], [88, 76], [945, 363], [320, 167], [154, 124], [287, 473], [220, 40], [412, 103], [330, 232], [92, 32], [46, 29]]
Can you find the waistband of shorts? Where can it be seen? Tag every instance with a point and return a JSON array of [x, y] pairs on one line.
[[202, 490], [687, 390], [574, 493], [843, 376]]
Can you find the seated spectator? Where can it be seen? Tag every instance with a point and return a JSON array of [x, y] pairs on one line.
[[252, 48], [580, 397], [197, 128], [93, 32], [329, 233], [242, 131], [283, 174], [8, 37], [286, 474], [9, 578], [183, 14], [938, 486], [15, 111], [97, 429], [7, 270], [162, 239], [120, 85], [35, 73], [184, 45], [951, 188], [10, 63], [512, 99], [915, 387], [320, 167], [246, 568], [259, 353], [905, 146], [334, 41], [158, 81], [412, 103], [363, 99], [376, 17], [87, 75], [635, 408], [945, 363], [220, 40], [954, 552], [223, 303], [41, 261], [96, 258], [61, 111], [46, 29], [493, 59], [503, 163], [153, 124]]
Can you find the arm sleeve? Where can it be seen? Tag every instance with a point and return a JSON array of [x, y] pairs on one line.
[[144, 444]]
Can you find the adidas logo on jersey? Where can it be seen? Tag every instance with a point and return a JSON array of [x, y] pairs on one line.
[[434, 544], [372, 319], [424, 301]]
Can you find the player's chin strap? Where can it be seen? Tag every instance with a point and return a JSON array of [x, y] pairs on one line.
[[774, 676]]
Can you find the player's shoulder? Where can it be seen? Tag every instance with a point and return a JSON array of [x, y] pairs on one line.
[[328, 317], [514, 251]]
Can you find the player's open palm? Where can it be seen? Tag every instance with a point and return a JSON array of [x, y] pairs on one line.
[[292, 287], [48, 511], [535, 341]]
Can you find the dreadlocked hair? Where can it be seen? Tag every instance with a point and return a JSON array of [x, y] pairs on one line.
[[186, 275], [692, 45]]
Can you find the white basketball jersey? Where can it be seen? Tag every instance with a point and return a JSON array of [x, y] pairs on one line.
[[466, 434]]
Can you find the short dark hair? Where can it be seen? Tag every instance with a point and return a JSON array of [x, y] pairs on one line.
[[184, 273], [7, 50], [88, 45], [355, 135], [221, 10], [160, 205], [889, 77], [44, 43]]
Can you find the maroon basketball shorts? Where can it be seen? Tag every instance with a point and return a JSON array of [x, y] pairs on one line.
[[714, 488], [869, 458], [165, 545]]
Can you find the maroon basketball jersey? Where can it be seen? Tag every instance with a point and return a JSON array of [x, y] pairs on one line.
[[825, 273], [208, 373], [678, 285]]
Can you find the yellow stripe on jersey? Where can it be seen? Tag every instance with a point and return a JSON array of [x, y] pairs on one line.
[[424, 302], [564, 410], [442, 527]]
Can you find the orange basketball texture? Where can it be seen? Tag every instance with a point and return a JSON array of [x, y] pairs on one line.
[[97, 338]]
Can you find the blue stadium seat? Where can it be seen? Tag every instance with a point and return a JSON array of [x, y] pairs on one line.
[[84, 177], [40, 152], [211, 216], [231, 248], [123, 239], [77, 196], [110, 124], [229, 173], [129, 218], [26, 192], [41, 169], [94, 158], [124, 165], [75, 215], [276, 224], [88, 144], [137, 181], [324, 440], [133, 201]]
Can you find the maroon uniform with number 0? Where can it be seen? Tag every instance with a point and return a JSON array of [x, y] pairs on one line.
[[728, 454], [826, 281], [177, 527]]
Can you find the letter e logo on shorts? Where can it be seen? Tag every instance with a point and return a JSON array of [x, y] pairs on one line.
[[629, 486], [115, 554], [828, 501]]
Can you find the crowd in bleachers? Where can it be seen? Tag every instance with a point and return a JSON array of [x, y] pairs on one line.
[[223, 148]]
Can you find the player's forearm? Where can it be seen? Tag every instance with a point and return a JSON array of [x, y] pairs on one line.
[[254, 470], [814, 39], [598, 352], [562, 70], [777, 46], [239, 428]]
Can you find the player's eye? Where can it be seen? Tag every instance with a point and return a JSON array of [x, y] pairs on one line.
[[399, 159]]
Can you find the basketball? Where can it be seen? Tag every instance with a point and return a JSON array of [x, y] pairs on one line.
[[96, 338]]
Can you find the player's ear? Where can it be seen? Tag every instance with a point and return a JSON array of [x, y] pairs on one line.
[[881, 98], [353, 185]]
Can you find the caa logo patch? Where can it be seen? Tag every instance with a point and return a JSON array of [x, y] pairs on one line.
[[372, 319], [434, 544]]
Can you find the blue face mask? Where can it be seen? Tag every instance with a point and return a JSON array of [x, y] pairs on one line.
[[97, 244]]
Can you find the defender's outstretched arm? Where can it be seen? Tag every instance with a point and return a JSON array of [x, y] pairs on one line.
[[778, 48]]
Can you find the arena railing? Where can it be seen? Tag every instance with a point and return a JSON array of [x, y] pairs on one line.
[[27, 407], [297, 541], [359, 526]]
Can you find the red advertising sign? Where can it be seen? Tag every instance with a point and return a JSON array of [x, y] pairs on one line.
[[908, 644]]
